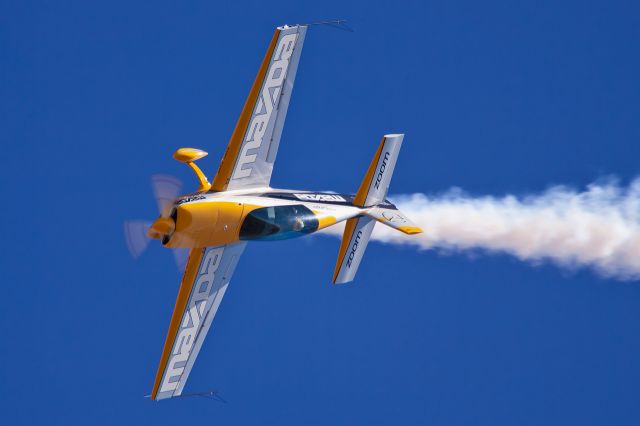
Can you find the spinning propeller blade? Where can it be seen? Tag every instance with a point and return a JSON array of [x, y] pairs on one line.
[[181, 255], [165, 190], [135, 233]]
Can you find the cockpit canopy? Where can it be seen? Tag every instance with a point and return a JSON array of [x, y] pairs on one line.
[[278, 223]]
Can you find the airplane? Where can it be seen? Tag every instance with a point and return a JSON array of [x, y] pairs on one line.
[[215, 222]]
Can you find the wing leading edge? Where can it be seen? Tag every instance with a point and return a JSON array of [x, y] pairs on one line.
[[251, 153], [204, 283]]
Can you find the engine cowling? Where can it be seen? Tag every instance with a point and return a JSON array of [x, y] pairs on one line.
[[202, 224]]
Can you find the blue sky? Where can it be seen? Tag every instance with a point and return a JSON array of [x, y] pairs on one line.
[[494, 97]]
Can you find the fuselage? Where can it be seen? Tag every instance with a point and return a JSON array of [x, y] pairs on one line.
[[210, 218]]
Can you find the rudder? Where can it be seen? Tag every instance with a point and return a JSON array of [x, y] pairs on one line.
[[372, 191]]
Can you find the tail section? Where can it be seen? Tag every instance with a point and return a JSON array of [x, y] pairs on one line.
[[372, 192]]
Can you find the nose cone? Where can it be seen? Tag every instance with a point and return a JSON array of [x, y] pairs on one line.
[[161, 227]]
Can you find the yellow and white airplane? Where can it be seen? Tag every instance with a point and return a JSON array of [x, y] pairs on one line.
[[217, 220]]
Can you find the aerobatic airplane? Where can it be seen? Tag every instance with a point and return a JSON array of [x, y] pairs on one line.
[[216, 222]]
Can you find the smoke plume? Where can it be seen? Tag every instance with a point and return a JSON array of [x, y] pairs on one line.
[[597, 228]]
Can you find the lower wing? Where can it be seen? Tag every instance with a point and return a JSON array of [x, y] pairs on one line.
[[204, 283]]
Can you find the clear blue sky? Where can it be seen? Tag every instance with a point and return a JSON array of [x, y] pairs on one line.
[[494, 97]]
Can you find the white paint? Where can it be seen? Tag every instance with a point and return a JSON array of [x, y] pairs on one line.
[[265, 105], [597, 228], [191, 320]]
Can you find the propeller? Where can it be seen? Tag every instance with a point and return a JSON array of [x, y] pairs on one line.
[[165, 189], [137, 233]]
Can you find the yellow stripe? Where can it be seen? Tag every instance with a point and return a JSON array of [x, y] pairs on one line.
[[195, 257], [410, 230], [324, 220], [225, 170], [349, 229], [363, 192]]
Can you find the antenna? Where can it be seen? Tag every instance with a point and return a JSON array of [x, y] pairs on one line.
[[213, 395], [340, 24]]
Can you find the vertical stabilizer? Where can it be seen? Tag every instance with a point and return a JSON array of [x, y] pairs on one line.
[[373, 191]]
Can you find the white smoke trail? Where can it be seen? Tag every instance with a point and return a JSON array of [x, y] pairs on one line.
[[598, 228]]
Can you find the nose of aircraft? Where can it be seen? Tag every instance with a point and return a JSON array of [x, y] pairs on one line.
[[193, 224], [161, 227]]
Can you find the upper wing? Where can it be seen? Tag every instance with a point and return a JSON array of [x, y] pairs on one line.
[[204, 283], [248, 160]]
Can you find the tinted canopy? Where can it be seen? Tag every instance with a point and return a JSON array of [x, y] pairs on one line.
[[278, 223]]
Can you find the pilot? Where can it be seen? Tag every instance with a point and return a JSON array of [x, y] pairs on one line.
[[298, 224]]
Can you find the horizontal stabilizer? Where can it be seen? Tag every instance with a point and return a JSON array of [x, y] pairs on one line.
[[395, 219]]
